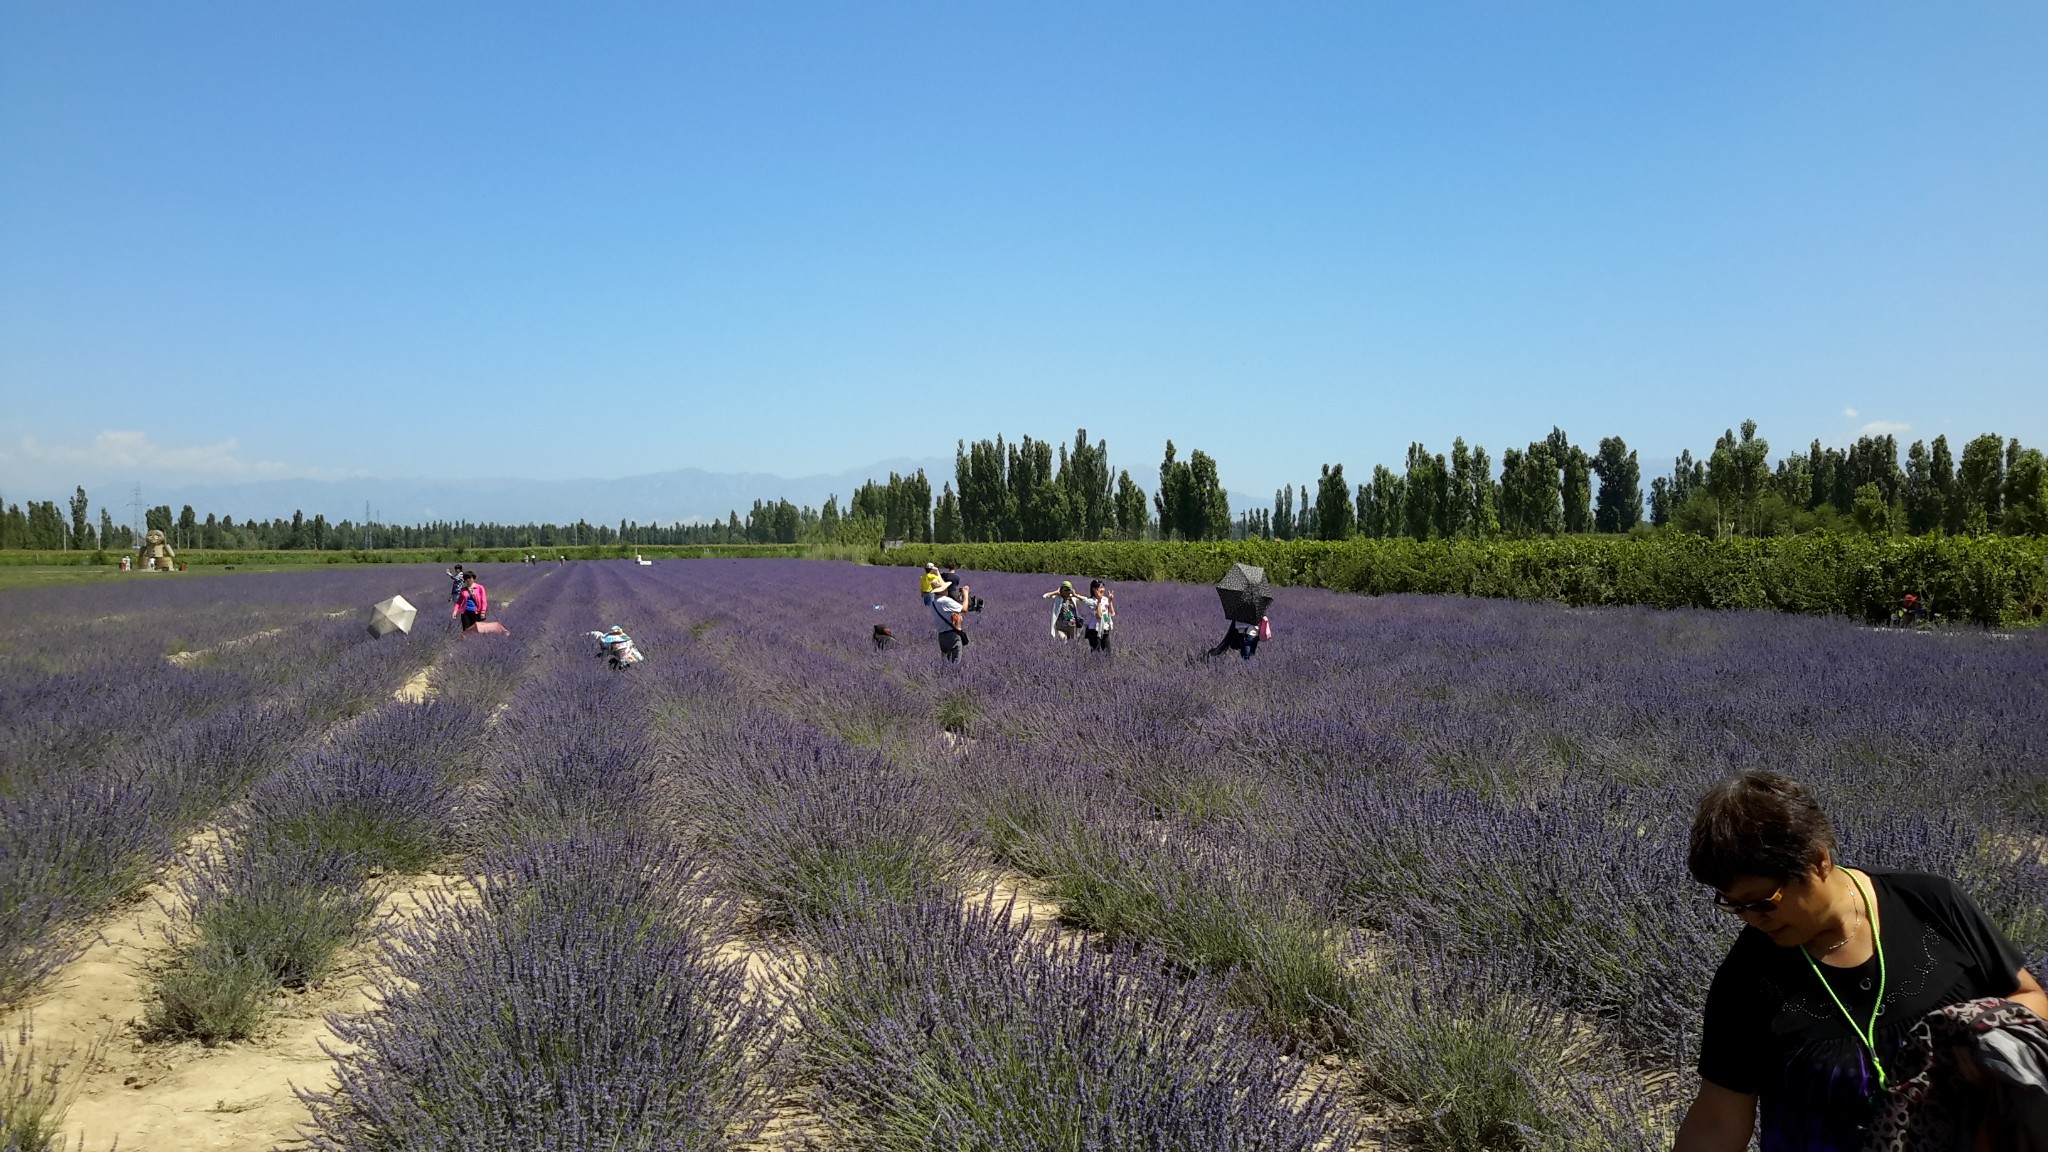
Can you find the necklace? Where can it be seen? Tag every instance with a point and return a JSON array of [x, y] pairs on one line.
[[1850, 933], [1866, 1033]]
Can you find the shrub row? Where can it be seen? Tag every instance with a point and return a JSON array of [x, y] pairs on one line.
[[1983, 580]]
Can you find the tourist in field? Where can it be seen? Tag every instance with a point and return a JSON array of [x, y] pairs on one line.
[[1242, 636], [952, 617], [1101, 604], [457, 589], [1810, 1020], [474, 604], [617, 648], [929, 584], [1068, 619]]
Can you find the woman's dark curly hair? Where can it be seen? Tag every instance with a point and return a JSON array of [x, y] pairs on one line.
[[1757, 824]]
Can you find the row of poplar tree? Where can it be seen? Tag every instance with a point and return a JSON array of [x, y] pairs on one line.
[[44, 527], [1035, 490], [1032, 489]]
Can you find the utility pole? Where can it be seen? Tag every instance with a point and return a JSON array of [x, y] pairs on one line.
[[135, 511]]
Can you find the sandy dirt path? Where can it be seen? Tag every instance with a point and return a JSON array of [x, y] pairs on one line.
[[184, 1097]]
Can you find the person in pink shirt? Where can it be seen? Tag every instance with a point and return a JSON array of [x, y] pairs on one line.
[[474, 602]]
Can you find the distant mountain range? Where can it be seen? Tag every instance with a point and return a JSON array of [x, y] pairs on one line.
[[687, 494]]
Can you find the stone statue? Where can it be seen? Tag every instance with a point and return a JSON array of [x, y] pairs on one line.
[[157, 554]]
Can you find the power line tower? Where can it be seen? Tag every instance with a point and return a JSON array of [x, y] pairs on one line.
[[135, 520]]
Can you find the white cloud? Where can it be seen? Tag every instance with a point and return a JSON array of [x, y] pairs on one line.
[[128, 451], [1849, 413], [1885, 428]]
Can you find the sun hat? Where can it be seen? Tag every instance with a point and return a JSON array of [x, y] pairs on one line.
[[1067, 585]]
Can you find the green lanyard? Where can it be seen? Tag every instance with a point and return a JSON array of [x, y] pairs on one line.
[[1867, 1034]]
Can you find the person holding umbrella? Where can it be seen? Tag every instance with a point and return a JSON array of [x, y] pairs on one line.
[[1239, 635], [1246, 595]]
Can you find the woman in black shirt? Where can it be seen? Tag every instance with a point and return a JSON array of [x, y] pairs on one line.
[[1833, 968]]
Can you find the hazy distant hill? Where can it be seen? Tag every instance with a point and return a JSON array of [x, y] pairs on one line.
[[660, 497]]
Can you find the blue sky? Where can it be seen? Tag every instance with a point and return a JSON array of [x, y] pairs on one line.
[[246, 240]]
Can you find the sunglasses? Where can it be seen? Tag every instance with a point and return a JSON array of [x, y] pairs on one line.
[[1755, 908]]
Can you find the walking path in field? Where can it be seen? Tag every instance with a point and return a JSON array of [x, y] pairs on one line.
[[185, 1097]]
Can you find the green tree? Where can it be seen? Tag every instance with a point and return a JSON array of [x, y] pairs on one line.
[[1620, 504], [1283, 512], [1871, 511], [1420, 492], [1483, 517], [106, 529], [45, 526], [1131, 517], [828, 520], [1039, 503], [981, 475], [1085, 480], [1738, 473], [1941, 476], [2026, 493], [1669, 494], [1334, 513], [1923, 500], [946, 518], [1577, 491], [1175, 498], [81, 532], [1212, 503], [1382, 504], [1531, 497], [1980, 482], [1465, 486]]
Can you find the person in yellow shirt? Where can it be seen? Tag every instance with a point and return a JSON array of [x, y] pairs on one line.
[[929, 584]]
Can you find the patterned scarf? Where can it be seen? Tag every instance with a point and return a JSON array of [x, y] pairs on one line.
[[1970, 1065]]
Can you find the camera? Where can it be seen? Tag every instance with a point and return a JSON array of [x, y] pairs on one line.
[[974, 603]]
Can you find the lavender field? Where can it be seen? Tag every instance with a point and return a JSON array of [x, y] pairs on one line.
[[1412, 877]]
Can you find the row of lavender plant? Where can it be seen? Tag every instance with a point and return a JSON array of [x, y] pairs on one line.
[[1410, 790], [928, 1019], [78, 835], [83, 670], [291, 881], [580, 999], [1196, 1065], [143, 618]]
